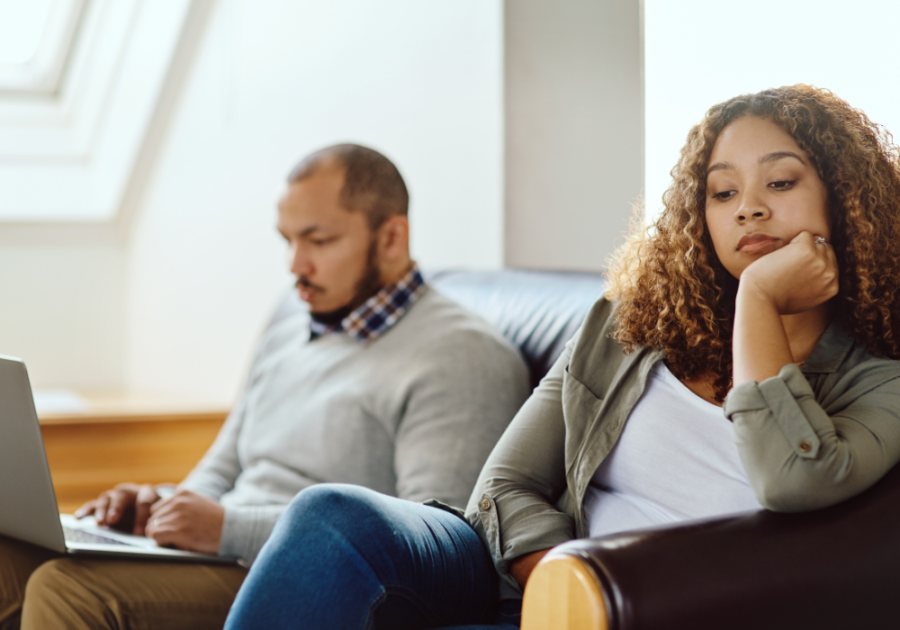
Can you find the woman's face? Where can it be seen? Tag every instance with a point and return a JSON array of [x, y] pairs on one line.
[[761, 191]]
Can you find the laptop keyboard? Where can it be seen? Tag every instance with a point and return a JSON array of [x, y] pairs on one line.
[[81, 536]]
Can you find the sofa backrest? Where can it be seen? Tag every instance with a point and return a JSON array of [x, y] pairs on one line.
[[537, 311]]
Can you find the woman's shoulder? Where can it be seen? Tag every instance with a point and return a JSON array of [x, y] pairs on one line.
[[596, 355], [842, 368], [839, 351]]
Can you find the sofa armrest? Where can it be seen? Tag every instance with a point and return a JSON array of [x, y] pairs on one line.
[[838, 567]]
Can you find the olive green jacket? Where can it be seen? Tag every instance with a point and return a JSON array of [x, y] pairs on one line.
[[807, 439]]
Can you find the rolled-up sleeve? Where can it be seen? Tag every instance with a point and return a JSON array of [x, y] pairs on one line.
[[513, 506], [797, 455]]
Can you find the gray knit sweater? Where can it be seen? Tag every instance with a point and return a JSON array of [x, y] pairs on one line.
[[413, 414]]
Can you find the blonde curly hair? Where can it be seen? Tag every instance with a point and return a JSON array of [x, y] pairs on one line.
[[670, 289]]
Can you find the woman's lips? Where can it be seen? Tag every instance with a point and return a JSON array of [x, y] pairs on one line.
[[758, 244]]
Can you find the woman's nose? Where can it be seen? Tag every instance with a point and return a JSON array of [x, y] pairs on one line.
[[751, 207]]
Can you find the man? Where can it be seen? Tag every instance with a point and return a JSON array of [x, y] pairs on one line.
[[384, 383]]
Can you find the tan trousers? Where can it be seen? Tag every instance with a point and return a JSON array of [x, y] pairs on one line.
[[41, 590]]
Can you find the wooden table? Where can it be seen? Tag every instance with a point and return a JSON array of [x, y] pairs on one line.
[[125, 437]]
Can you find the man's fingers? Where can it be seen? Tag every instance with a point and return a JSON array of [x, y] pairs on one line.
[[146, 497], [162, 531], [100, 507], [160, 505], [164, 538], [119, 501], [85, 510], [165, 524]]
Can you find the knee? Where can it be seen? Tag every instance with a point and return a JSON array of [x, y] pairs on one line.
[[331, 501], [54, 595], [50, 577], [324, 516], [330, 508]]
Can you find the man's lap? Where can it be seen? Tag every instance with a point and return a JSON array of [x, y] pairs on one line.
[[17, 561], [90, 592]]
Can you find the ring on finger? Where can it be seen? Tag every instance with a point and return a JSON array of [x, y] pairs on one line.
[[820, 240]]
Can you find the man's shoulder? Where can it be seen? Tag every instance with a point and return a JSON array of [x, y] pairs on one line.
[[442, 343], [442, 319]]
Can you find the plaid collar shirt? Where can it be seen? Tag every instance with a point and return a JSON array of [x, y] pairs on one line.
[[379, 313]]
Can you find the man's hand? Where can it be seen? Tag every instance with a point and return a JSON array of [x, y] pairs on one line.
[[796, 278], [113, 507], [188, 521]]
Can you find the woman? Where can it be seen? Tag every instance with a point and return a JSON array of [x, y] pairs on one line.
[[766, 294]]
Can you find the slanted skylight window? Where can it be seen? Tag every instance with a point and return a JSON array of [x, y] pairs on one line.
[[35, 42], [79, 83], [21, 24]]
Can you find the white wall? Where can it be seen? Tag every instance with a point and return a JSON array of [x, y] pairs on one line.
[[574, 130], [173, 295], [270, 81], [702, 52], [61, 309]]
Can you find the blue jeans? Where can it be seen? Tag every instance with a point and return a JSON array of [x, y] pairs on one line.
[[345, 557]]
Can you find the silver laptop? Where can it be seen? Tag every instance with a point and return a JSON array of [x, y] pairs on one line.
[[28, 508]]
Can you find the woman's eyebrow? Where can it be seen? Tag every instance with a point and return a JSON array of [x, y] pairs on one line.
[[780, 155], [767, 158], [720, 166]]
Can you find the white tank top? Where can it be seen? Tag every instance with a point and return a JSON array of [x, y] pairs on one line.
[[675, 460]]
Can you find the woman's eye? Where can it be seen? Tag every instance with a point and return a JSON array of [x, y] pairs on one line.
[[724, 195], [782, 184]]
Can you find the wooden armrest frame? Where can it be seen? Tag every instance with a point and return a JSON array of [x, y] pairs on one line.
[[564, 592]]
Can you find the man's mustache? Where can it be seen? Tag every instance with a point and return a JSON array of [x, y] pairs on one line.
[[303, 283]]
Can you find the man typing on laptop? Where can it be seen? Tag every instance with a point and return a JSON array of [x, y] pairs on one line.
[[383, 383]]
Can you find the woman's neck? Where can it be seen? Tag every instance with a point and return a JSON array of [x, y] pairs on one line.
[[803, 332]]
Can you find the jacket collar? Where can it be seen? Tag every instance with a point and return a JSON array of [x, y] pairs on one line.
[[832, 348]]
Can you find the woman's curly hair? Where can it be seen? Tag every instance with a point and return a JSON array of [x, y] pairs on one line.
[[670, 289]]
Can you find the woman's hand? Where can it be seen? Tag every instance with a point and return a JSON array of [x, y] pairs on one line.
[[796, 278], [521, 567], [781, 308]]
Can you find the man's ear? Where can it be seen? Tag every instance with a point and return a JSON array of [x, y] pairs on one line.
[[393, 238]]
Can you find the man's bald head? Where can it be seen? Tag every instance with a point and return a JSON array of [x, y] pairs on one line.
[[372, 184]]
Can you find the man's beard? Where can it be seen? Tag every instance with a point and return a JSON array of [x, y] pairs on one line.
[[368, 285]]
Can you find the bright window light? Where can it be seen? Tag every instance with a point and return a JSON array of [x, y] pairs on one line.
[[21, 25], [701, 52]]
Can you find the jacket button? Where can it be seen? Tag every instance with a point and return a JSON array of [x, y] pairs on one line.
[[485, 505], [804, 446]]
